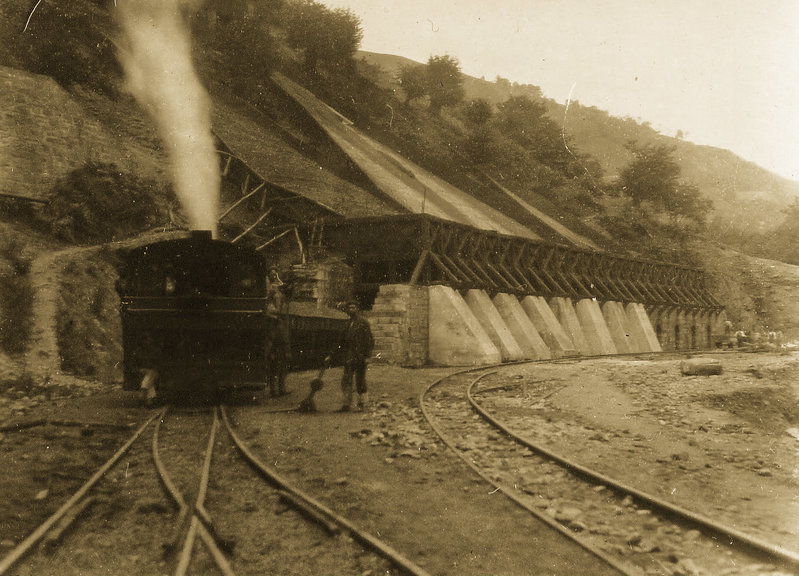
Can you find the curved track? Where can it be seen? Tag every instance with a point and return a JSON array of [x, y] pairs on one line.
[[578, 501], [708, 525]]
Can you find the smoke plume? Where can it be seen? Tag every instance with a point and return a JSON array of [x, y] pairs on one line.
[[156, 56]]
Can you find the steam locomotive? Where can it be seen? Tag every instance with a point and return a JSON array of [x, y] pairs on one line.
[[193, 311]]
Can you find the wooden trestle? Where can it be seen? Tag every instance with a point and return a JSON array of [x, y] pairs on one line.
[[423, 249]]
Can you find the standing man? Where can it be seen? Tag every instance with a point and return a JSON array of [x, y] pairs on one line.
[[278, 348], [356, 345]]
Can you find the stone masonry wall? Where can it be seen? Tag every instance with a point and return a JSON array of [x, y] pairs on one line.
[[326, 283], [45, 134], [399, 320]]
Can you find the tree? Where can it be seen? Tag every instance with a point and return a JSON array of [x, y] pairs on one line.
[[70, 45], [785, 238], [239, 33], [526, 122], [444, 82], [413, 79], [653, 176], [521, 119], [479, 112], [327, 37]]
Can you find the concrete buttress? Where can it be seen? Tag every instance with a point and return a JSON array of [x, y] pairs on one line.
[[594, 328], [564, 311], [550, 330], [490, 319], [521, 327], [643, 335], [456, 336], [616, 320]]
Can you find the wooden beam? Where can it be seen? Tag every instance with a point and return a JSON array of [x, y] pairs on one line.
[[444, 269], [299, 243], [226, 169], [274, 239], [417, 270], [240, 200], [251, 228], [24, 198]]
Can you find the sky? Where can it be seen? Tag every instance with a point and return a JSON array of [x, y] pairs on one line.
[[724, 72]]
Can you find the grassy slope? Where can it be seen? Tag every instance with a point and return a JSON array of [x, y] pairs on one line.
[[737, 187], [748, 286], [759, 294]]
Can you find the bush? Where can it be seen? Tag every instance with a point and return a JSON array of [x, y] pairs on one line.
[[87, 322], [16, 297], [98, 203], [71, 42]]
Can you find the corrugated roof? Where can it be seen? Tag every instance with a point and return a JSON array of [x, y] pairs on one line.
[[246, 132]]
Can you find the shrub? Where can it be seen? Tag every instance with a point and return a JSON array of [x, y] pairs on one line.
[[87, 321], [98, 203], [16, 297]]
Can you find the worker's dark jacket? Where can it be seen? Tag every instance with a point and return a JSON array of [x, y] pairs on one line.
[[357, 343]]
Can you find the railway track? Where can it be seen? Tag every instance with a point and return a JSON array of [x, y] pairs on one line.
[[249, 519], [636, 532]]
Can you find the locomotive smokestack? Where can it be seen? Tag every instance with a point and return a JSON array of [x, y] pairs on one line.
[[201, 235], [156, 56]]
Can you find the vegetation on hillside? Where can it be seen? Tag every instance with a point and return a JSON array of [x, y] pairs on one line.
[[16, 296], [470, 142], [98, 203], [70, 42], [87, 322], [472, 132]]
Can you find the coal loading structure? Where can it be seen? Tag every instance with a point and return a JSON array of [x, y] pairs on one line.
[[449, 293]]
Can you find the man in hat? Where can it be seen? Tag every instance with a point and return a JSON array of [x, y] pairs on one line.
[[356, 345]]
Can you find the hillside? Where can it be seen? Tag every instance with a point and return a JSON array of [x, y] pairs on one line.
[[737, 187], [101, 125]]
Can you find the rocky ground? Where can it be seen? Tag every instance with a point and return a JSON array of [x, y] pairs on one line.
[[723, 445]]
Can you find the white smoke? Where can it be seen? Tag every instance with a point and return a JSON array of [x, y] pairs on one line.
[[156, 56]]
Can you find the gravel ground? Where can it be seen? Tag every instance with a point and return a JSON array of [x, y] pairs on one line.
[[724, 445]]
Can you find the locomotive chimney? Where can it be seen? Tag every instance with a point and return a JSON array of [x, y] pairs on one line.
[[201, 235]]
